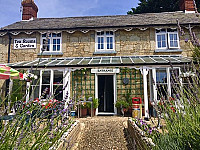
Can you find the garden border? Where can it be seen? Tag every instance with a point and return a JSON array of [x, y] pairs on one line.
[[142, 142], [70, 138]]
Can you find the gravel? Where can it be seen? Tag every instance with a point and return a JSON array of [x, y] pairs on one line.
[[103, 133]]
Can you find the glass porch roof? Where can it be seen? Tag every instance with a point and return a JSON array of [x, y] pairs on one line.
[[74, 62]]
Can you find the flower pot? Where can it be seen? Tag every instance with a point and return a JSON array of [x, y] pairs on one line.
[[83, 112], [128, 113], [73, 113], [93, 112]]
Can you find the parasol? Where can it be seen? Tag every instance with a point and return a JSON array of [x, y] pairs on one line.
[[7, 72]]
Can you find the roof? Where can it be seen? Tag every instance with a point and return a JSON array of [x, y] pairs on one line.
[[89, 22], [105, 61]]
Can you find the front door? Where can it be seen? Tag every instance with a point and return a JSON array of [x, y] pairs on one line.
[[106, 93]]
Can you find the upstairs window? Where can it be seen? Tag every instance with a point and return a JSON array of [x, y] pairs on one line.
[[105, 40], [167, 39], [53, 43]]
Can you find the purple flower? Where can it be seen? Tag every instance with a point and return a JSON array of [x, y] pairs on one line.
[[186, 40], [28, 112], [64, 110]]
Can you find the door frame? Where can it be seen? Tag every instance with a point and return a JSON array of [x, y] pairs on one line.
[[114, 90]]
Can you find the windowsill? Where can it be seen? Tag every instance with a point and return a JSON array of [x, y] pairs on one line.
[[105, 52], [168, 50], [49, 53]]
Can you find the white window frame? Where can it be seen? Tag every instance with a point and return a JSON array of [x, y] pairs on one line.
[[154, 73], [105, 41], [157, 40], [51, 43], [51, 81], [167, 40]]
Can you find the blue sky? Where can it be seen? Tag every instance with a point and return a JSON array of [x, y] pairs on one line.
[[10, 9]]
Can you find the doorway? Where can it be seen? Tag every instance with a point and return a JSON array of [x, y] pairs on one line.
[[106, 94]]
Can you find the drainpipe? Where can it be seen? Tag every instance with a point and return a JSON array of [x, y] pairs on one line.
[[8, 80], [10, 39]]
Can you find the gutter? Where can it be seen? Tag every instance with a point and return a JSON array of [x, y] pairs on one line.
[[100, 27]]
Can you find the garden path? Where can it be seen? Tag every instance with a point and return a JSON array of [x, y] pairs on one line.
[[105, 132]]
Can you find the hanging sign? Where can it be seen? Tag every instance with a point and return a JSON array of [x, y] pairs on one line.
[[107, 70], [24, 43]]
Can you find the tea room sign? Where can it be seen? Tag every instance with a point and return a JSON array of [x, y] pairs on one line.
[[25, 43]]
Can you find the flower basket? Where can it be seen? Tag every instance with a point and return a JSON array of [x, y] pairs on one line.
[[83, 112]]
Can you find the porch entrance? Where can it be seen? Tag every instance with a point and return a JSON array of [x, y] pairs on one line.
[[105, 94]]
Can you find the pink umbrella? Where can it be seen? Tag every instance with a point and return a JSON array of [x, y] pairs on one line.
[[7, 72]]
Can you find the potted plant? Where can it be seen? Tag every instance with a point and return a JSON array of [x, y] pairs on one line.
[[83, 109], [95, 102], [122, 105]]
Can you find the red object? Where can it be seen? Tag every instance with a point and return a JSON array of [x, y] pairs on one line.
[[136, 100]]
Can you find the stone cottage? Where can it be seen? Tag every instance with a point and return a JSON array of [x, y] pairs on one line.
[[106, 57]]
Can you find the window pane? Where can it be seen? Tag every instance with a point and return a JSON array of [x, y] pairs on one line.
[[99, 40], [102, 40], [54, 47], [161, 76], [174, 75], [46, 77], [58, 41], [163, 43], [58, 92], [53, 35], [175, 44], [108, 43], [48, 48], [111, 39], [162, 91], [45, 91], [171, 37], [171, 44], [34, 92], [102, 46], [99, 46], [58, 47], [108, 46], [44, 35], [163, 37], [175, 37], [111, 45], [59, 35], [158, 37], [159, 44], [43, 41], [58, 77], [54, 41]]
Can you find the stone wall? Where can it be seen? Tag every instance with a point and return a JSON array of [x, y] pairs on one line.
[[70, 139], [78, 44], [142, 142]]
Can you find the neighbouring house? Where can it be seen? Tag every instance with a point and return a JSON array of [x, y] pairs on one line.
[[101, 56]]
